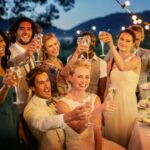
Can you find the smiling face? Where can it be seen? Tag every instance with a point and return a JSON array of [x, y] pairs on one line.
[[2, 46], [125, 42], [52, 47], [42, 86], [24, 33], [80, 79]]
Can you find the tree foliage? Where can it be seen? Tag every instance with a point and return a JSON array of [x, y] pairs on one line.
[[42, 11]]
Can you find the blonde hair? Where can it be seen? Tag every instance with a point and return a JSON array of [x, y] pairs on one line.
[[45, 38], [137, 28], [79, 63]]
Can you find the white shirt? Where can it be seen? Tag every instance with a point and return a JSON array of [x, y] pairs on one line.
[[103, 66], [17, 50]]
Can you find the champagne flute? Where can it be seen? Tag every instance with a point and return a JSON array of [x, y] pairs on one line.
[[85, 41], [39, 36], [88, 100], [112, 91], [102, 44], [17, 72]]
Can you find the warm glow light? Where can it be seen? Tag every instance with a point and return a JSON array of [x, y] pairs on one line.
[[78, 31], [139, 21], [123, 28], [134, 17], [147, 27], [127, 3], [94, 28], [135, 22]]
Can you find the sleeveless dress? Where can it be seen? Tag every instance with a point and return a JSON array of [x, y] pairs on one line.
[[9, 117], [85, 139], [119, 124]]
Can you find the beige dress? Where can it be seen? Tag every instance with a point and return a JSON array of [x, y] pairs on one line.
[[74, 140], [119, 124]]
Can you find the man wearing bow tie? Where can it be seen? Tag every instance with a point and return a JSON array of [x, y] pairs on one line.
[[40, 113]]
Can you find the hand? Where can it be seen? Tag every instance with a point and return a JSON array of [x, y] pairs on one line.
[[106, 38], [80, 113], [108, 105], [33, 47], [9, 78], [82, 48]]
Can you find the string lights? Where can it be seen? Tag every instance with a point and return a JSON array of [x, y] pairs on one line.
[[136, 19]]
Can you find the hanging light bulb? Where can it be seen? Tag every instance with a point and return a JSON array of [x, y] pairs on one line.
[[134, 17], [94, 28], [123, 28], [147, 27], [135, 22], [78, 31], [127, 3], [139, 21]]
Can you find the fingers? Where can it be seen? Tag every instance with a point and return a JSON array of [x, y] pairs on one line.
[[81, 113], [81, 49], [110, 106], [105, 37], [9, 78], [33, 46]]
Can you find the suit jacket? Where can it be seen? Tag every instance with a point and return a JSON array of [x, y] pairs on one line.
[[44, 124]]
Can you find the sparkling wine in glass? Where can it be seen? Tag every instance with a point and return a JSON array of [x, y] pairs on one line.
[[102, 44], [112, 91], [39, 36], [85, 41], [88, 100], [17, 72]]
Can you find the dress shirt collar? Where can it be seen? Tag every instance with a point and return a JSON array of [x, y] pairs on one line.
[[39, 100], [94, 57], [21, 49]]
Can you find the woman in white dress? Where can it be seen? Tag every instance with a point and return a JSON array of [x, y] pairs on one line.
[[124, 76], [80, 135]]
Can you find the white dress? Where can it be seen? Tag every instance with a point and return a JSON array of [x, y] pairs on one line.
[[85, 139], [119, 124]]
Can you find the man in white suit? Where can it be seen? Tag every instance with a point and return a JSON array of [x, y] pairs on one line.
[[40, 113], [23, 45]]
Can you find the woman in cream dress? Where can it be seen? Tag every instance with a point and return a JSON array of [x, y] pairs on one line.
[[124, 78], [78, 134]]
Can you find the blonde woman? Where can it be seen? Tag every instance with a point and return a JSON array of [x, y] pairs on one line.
[[80, 135]]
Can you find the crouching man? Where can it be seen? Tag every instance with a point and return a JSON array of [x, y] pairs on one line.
[[41, 116]]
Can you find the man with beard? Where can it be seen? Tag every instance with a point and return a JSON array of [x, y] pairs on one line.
[[23, 46]]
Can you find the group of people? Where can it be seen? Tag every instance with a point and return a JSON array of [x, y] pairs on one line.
[[70, 106]]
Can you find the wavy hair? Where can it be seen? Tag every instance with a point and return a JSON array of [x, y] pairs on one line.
[[14, 27], [5, 58]]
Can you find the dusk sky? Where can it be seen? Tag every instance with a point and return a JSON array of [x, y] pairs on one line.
[[85, 10]]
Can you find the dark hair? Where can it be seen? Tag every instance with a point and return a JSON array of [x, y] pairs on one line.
[[129, 31], [30, 77], [14, 27], [6, 57]]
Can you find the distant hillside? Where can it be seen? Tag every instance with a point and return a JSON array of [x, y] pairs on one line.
[[110, 23]]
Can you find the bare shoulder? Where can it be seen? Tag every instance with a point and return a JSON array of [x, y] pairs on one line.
[[136, 58]]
